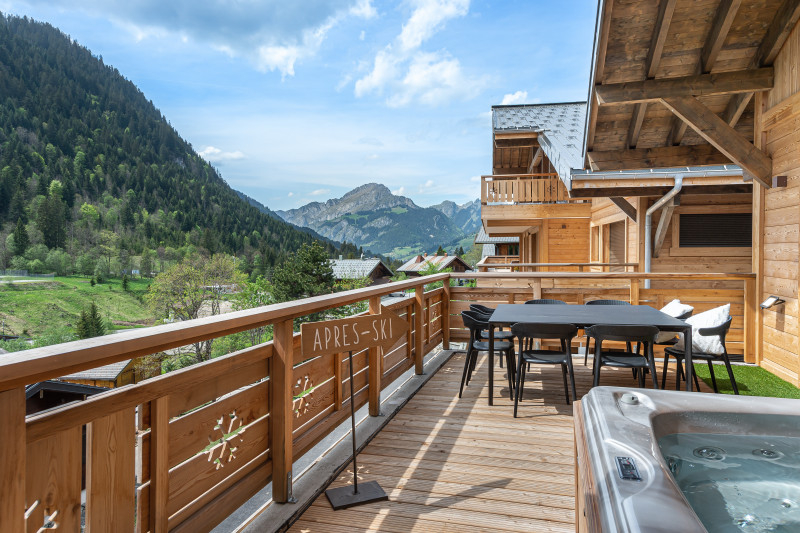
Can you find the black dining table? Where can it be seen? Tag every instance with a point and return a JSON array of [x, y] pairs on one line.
[[584, 316]]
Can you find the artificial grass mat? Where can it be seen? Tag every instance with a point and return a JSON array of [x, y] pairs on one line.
[[751, 380]]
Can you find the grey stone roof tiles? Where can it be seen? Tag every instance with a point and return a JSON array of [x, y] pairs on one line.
[[355, 268], [560, 128]]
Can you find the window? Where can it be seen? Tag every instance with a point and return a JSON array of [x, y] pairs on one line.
[[723, 230]]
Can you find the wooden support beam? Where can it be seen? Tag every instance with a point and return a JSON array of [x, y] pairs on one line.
[[723, 19], [535, 160], [599, 67], [446, 316], [777, 32], [741, 81], [666, 8], [720, 27], [375, 354], [280, 414], [12, 460], [659, 157], [624, 206], [516, 143], [419, 334], [159, 464], [722, 136], [663, 224]]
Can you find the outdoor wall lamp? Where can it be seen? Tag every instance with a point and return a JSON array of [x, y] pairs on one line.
[[769, 302]]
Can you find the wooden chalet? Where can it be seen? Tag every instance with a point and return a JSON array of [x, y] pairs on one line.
[[372, 268], [694, 111], [420, 263]]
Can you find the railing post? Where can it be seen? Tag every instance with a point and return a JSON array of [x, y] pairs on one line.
[[419, 302], [375, 356], [634, 291], [537, 288], [446, 315], [750, 314], [12, 460], [281, 411], [159, 464]]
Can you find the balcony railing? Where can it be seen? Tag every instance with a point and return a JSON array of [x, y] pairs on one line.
[[181, 451], [546, 188], [510, 263]]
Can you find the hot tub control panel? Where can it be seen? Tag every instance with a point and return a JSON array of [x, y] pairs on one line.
[[626, 467]]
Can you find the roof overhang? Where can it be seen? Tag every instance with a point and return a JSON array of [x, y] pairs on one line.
[[725, 179], [678, 78]]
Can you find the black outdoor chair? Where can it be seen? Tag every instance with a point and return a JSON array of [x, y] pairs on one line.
[[545, 301], [527, 335], [499, 334], [644, 336], [475, 323], [721, 331], [588, 338]]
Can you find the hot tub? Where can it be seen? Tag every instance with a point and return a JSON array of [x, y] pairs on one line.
[[651, 460]]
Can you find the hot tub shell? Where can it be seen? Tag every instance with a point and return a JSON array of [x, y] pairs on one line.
[[611, 427]]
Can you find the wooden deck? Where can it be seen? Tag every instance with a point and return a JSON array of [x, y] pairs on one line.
[[451, 464]]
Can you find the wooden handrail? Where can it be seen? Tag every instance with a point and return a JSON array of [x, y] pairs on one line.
[[696, 276], [515, 176], [544, 265], [38, 364]]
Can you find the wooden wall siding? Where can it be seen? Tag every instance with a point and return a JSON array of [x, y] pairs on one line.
[[781, 232], [205, 438], [604, 212], [568, 241]]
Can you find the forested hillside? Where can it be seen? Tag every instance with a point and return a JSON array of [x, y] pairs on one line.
[[91, 170]]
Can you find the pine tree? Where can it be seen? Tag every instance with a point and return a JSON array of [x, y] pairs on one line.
[[21, 240], [125, 284], [90, 323], [440, 251]]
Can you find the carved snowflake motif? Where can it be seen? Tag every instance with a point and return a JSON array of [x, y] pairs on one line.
[[302, 399], [225, 433]]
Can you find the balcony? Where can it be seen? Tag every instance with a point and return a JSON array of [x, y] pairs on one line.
[[546, 188], [511, 263], [182, 451]]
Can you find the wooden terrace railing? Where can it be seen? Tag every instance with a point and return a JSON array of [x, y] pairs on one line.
[[543, 188], [181, 451], [502, 264], [207, 437]]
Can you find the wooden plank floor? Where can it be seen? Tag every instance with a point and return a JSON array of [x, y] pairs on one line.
[[454, 464]]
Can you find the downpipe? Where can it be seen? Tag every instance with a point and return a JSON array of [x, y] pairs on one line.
[[648, 224]]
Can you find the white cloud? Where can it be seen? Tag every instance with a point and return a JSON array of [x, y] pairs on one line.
[[433, 79], [475, 179], [428, 183], [273, 34], [519, 97], [213, 155], [362, 35], [364, 9], [399, 192], [290, 194], [409, 74], [373, 157], [319, 192], [428, 17]]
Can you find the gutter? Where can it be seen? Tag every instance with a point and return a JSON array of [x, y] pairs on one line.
[[648, 224], [686, 172]]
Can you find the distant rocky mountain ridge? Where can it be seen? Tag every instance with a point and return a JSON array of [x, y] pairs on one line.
[[372, 217]]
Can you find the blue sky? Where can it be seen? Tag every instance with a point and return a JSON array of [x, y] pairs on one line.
[[302, 100]]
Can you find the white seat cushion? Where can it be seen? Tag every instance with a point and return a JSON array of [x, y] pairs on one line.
[[708, 319], [675, 309]]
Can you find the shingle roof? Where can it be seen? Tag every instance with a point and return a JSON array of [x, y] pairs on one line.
[[483, 238], [356, 268], [107, 372], [560, 128], [441, 262]]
